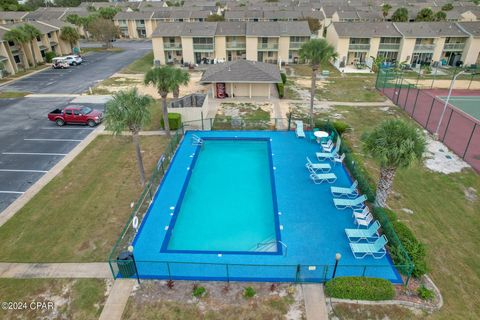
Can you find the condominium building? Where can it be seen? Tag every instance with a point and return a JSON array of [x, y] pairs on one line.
[[413, 43], [203, 42], [17, 56]]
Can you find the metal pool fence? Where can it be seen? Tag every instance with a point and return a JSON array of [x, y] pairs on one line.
[[458, 130], [123, 264]]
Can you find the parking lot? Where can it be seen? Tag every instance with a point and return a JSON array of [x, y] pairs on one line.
[[30, 145], [77, 79]]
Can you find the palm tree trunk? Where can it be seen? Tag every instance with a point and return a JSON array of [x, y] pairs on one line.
[[33, 54], [176, 92], [166, 126], [384, 185], [26, 65], [312, 93], [138, 152]]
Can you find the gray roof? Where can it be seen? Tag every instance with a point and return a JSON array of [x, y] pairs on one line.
[[472, 28], [242, 71], [133, 15], [199, 29], [12, 15], [365, 29], [232, 28], [168, 29], [42, 27], [278, 28], [46, 14], [429, 29], [283, 14]]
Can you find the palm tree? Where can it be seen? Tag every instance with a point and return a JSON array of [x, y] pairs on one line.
[[129, 110], [385, 9], [393, 144], [19, 37], [166, 79], [32, 33], [181, 78], [400, 15], [426, 14], [316, 52], [69, 34]]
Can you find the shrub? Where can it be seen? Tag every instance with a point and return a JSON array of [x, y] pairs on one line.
[[360, 288], [49, 55], [249, 292], [391, 215], [415, 248], [281, 90], [174, 121], [284, 77], [340, 126], [424, 293], [198, 292]]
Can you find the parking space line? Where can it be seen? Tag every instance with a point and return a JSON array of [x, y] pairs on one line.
[[34, 153], [57, 140], [15, 170], [13, 192]]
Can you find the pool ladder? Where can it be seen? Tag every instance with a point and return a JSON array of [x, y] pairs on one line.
[[196, 140], [267, 243]]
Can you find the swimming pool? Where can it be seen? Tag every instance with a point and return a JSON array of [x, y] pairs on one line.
[[310, 228], [228, 202]]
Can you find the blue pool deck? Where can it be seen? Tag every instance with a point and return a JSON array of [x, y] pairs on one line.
[[311, 226]]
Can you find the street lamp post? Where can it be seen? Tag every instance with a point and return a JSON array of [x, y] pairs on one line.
[[338, 256], [446, 102]]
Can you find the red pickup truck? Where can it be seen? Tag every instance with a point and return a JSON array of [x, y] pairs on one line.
[[77, 114]]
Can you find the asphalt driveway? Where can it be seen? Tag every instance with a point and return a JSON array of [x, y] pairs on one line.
[[77, 79], [30, 145]]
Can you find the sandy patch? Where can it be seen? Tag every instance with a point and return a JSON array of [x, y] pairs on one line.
[[445, 84], [439, 158]]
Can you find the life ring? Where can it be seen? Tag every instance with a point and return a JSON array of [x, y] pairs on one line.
[[135, 222]]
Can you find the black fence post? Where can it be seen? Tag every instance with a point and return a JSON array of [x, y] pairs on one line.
[[169, 273], [297, 274], [470, 139], [228, 273], [399, 90], [408, 92], [415, 103], [430, 113], [385, 80], [201, 116]]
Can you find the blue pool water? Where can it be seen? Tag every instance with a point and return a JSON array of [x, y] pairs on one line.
[[309, 225], [228, 200]]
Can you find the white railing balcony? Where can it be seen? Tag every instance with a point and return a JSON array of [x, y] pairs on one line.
[[268, 46], [296, 45], [454, 46], [174, 45], [389, 46], [236, 45], [359, 47], [424, 47], [203, 46]]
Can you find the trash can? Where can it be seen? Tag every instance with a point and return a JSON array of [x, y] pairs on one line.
[[126, 264]]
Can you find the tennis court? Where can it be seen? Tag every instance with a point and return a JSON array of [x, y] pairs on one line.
[[468, 104]]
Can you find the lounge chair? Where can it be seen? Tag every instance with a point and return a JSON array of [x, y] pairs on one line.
[[327, 155], [363, 234], [350, 203], [327, 147], [299, 129], [314, 167], [338, 159], [376, 249], [361, 213], [364, 222], [319, 178], [350, 192]]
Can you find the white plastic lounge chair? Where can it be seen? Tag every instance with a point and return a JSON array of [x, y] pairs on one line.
[[356, 235], [299, 129], [338, 159], [364, 222], [318, 178], [327, 155], [350, 203], [327, 147], [350, 192], [314, 167], [361, 213], [376, 249]]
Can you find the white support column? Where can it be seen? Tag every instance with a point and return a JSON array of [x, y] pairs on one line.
[[250, 90], [269, 88], [214, 94], [231, 89]]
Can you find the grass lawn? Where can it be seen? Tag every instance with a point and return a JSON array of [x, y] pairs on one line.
[[350, 89], [81, 299], [141, 65], [290, 92], [352, 312], [79, 214], [444, 219], [247, 116], [101, 49], [13, 94]]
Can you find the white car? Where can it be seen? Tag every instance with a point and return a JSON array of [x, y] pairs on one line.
[[73, 60], [60, 63]]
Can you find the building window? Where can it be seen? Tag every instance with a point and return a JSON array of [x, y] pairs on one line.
[[49, 35], [16, 58], [11, 43], [390, 40], [38, 38]]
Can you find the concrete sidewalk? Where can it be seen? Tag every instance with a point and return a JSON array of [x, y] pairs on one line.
[[99, 270], [315, 305], [117, 299]]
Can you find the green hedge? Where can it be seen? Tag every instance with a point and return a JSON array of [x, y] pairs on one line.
[[284, 77], [49, 55], [360, 288], [415, 248], [281, 90], [174, 121]]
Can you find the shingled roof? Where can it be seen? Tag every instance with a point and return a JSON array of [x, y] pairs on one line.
[[242, 71]]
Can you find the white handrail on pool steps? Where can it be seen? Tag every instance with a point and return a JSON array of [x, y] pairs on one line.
[[274, 241], [196, 140]]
